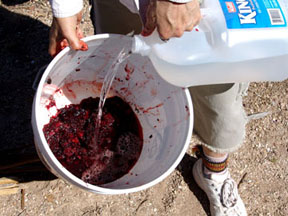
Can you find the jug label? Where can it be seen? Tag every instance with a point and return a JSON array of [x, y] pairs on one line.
[[253, 13]]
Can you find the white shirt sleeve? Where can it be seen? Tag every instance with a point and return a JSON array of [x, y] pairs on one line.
[[66, 8]]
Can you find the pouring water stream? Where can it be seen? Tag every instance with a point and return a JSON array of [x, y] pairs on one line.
[[108, 80]]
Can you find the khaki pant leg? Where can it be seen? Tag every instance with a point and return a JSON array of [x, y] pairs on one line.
[[110, 16], [219, 116]]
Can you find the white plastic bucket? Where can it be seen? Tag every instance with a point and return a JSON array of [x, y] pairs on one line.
[[164, 111]]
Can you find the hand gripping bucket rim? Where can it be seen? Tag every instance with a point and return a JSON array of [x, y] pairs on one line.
[[55, 166]]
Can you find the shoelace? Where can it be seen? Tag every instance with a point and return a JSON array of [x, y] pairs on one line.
[[229, 197], [229, 193]]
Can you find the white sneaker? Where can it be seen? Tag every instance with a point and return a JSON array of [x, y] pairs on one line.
[[221, 190]]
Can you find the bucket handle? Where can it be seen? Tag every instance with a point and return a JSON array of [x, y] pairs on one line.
[[38, 77]]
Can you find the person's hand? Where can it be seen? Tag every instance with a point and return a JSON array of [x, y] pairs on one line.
[[66, 32], [171, 19]]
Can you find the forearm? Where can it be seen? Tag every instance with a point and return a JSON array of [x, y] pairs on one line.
[[66, 8], [179, 1]]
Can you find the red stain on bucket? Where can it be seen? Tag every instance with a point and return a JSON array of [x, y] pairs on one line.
[[51, 104], [125, 91], [129, 69], [152, 108], [153, 92], [68, 90]]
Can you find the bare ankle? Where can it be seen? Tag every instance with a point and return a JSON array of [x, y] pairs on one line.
[[210, 153]]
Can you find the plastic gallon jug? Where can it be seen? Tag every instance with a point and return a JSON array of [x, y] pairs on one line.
[[236, 41]]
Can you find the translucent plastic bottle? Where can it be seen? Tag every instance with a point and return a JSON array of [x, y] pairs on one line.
[[236, 41]]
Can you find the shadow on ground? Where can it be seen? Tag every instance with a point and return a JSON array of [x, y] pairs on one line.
[[24, 44], [185, 168], [13, 2]]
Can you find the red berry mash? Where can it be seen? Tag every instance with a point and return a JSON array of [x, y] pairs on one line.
[[71, 137]]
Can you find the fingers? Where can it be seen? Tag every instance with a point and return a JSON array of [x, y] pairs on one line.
[[74, 41], [68, 27], [64, 32], [171, 19], [83, 46], [150, 24]]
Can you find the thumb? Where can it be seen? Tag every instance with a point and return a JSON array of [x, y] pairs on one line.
[[148, 29], [69, 26], [150, 24], [78, 44], [74, 42]]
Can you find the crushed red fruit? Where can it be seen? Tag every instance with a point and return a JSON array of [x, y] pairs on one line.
[[71, 137]]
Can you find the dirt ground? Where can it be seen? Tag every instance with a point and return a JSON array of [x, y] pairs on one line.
[[260, 166]]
